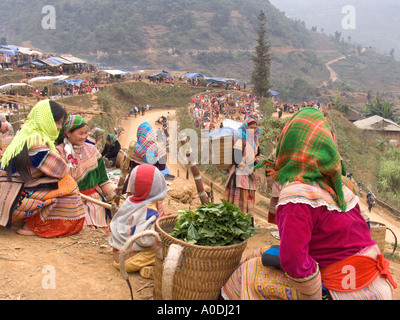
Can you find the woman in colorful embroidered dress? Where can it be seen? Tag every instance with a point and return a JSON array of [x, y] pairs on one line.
[[321, 229], [88, 169], [138, 213], [49, 203], [241, 186]]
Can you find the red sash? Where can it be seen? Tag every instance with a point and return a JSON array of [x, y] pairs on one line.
[[90, 191], [366, 270]]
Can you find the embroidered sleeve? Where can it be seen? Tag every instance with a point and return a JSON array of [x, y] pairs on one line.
[[50, 163]]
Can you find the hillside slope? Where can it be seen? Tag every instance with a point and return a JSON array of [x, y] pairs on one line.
[[216, 38]]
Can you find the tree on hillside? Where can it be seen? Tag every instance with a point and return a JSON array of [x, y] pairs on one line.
[[338, 35], [262, 61], [382, 109]]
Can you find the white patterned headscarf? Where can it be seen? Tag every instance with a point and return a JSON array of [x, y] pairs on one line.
[[147, 185]]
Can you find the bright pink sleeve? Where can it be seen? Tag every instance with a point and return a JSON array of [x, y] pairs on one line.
[[295, 225]]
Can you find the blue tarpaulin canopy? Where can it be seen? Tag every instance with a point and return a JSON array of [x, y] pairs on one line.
[[55, 61], [10, 47], [49, 62], [31, 62], [73, 82], [8, 52], [223, 132], [274, 93], [219, 80], [161, 74], [193, 75]]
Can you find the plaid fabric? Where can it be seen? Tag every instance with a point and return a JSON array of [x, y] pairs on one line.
[[72, 122], [97, 134], [146, 147], [243, 131], [306, 152]]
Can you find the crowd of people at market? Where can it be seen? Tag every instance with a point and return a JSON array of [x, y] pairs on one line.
[[210, 109], [291, 108]]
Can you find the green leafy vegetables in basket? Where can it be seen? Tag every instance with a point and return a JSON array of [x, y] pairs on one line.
[[216, 224]]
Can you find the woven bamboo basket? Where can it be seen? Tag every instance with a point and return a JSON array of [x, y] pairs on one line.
[[222, 152], [200, 272], [378, 234]]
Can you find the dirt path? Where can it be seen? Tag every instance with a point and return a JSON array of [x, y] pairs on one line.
[[334, 76], [80, 267], [131, 124]]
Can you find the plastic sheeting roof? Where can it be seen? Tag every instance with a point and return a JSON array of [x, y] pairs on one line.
[[22, 50], [273, 93], [10, 86], [114, 72], [219, 80], [222, 132], [161, 74], [49, 62], [74, 82], [54, 60], [73, 59], [228, 123], [64, 61], [377, 123], [48, 78], [193, 75], [8, 52]]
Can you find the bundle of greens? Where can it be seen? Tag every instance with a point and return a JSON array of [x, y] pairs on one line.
[[216, 224]]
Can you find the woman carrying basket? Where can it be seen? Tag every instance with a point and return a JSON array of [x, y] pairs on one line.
[[241, 186], [326, 248]]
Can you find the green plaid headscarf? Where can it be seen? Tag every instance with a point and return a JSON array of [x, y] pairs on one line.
[[72, 122], [97, 133], [306, 152]]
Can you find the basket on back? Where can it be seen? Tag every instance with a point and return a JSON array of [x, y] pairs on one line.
[[222, 152], [200, 271], [378, 234]]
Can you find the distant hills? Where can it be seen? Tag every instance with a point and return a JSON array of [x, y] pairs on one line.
[[141, 33], [376, 21], [214, 37]]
